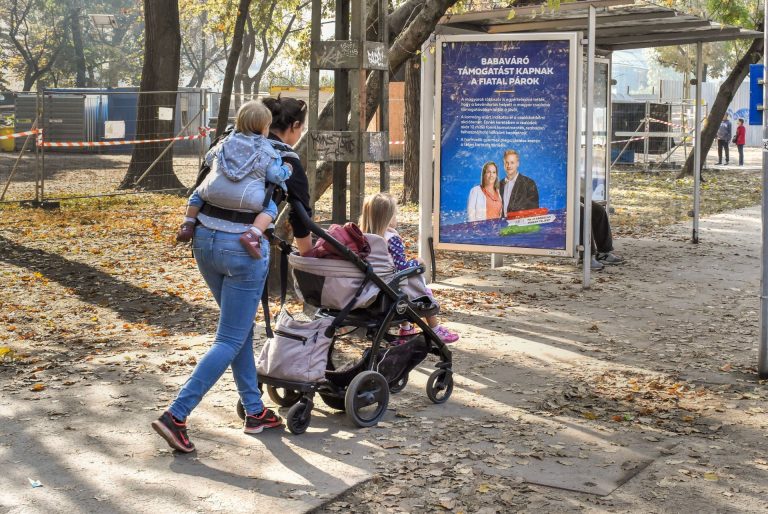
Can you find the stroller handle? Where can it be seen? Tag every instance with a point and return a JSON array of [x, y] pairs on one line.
[[316, 229]]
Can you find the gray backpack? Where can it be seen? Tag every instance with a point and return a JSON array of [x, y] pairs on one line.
[[298, 351]]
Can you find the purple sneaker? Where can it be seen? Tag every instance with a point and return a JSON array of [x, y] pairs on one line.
[[446, 335]]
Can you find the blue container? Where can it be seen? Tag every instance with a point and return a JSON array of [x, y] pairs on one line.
[[124, 105], [628, 157]]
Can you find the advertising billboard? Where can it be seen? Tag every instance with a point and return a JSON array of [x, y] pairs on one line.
[[506, 112]]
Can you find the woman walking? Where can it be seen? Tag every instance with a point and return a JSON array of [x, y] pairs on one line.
[[236, 280]]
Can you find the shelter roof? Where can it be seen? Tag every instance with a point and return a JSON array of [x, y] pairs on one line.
[[621, 24]]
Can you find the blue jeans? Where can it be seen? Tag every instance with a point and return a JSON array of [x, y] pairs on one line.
[[236, 281]]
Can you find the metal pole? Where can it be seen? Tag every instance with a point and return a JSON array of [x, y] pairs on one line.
[[31, 137], [314, 100], [762, 359], [697, 148], [647, 140], [384, 177], [165, 150], [426, 154], [586, 222], [41, 113]]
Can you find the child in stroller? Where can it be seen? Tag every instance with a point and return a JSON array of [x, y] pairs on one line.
[[379, 217], [369, 296]]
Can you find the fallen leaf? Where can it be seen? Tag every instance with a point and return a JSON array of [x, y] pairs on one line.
[[483, 488]]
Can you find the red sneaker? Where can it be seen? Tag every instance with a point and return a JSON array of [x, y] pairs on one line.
[[174, 432], [267, 419], [252, 244]]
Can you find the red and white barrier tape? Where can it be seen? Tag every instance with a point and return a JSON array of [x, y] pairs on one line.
[[79, 144], [19, 134], [627, 140], [668, 123], [204, 131]]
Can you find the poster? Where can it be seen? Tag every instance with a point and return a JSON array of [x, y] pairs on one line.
[[506, 141], [114, 129]]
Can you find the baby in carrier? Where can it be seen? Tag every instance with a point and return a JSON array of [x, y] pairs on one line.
[[241, 166], [379, 217]]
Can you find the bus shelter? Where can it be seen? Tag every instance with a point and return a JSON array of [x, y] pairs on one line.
[[525, 93]]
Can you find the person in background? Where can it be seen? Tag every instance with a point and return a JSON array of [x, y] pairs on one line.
[[602, 238], [484, 201], [740, 139], [723, 138]]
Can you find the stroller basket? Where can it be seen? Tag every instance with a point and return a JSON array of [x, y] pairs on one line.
[[394, 362]]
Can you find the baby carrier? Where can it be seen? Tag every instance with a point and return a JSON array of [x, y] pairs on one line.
[[351, 295], [277, 194]]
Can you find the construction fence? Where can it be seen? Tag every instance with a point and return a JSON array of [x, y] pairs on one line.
[[62, 144]]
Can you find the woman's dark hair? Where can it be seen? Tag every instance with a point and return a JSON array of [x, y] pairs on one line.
[[286, 112]]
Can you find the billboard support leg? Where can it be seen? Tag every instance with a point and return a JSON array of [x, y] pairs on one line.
[[586, 223], [426, 155]]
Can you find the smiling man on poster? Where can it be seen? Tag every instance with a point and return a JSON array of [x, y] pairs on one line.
[[518, 192]]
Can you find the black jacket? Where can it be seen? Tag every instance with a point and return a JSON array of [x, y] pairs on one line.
[[525, 194], [298, 189]]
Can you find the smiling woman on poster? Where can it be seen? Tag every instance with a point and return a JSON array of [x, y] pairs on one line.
[[484, 201]]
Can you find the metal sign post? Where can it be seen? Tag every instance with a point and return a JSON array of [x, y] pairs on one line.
[[762, 359], [586, 222], [697, 148]]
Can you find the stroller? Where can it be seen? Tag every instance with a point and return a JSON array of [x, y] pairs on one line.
[[370, 297]]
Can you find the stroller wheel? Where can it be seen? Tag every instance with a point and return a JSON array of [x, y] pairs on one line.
[[283, 397], [333, 402], [299, 417], [399, 384], [367, 398], [440, 385], [240, 410]]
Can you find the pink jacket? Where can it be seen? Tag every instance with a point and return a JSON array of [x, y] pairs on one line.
[[349, 235]]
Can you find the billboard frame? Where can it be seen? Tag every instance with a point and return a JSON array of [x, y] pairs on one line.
[[574, 103]]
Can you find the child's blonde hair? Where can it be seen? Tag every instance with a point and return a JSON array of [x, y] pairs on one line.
[[253, 117], [378, 212]]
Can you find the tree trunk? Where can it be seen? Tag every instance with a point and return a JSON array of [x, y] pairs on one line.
[[160, 72], [29, 80], [229, 72], [408, 41], [77, 45], [720, 106], [412, 114]]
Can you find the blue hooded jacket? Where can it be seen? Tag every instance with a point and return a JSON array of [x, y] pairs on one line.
[[242, 154]]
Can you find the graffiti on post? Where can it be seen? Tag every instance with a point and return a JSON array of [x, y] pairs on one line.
[[337, 54], [376, 56], [377, 146], [334, 146]]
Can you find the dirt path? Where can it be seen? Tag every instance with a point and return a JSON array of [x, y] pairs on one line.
[[639, 394], [647, 377]]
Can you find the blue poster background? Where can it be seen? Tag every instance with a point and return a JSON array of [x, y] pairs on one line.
[[499, 95]]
